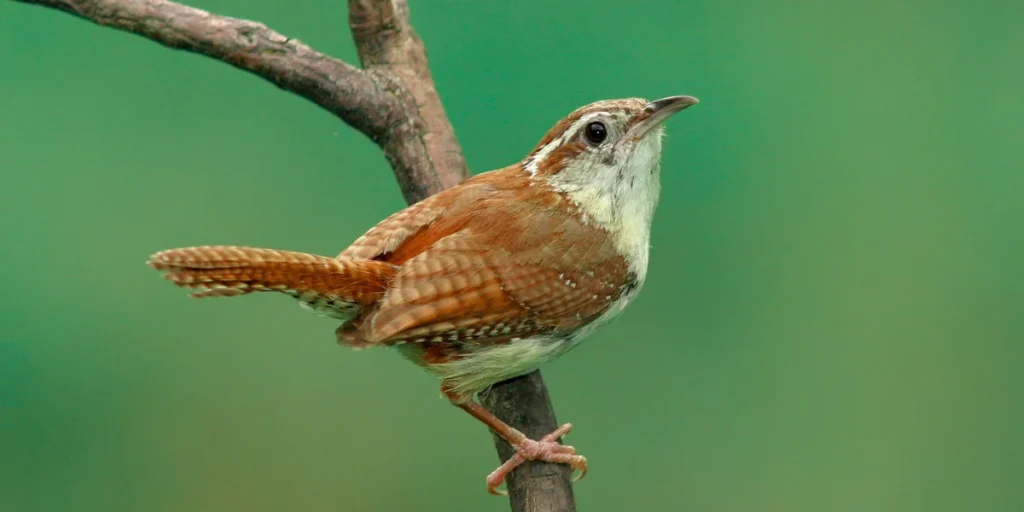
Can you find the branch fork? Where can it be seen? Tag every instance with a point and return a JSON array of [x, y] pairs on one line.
[[393, 101]]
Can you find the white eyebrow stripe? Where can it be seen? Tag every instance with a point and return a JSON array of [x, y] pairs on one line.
[[534, 162]]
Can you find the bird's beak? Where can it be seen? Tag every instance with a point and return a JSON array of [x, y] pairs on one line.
[[657, 111]]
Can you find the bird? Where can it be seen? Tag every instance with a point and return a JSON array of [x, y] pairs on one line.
[[489, 279]]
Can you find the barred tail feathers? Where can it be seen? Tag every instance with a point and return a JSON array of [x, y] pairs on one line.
[[336, 287]]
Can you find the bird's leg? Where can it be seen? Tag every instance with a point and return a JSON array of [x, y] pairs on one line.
[[547, 448]]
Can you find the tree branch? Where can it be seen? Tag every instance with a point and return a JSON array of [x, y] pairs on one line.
[[359, 98], [388, 44], [524, 403], [393, 101], [386, 41]]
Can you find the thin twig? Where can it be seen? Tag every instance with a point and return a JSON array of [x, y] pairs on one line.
[[394, 102]]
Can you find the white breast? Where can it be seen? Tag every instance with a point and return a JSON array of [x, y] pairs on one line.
[[621, 198]]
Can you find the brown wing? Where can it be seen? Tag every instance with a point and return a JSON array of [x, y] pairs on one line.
[[507, 259], [391, 232], [401, 236]]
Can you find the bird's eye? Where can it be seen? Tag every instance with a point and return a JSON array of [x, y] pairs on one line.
[[596, 132]]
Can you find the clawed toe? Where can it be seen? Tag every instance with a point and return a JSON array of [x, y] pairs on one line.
[[547, 449], [579, 465]]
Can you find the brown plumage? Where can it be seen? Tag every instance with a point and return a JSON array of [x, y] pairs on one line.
[[225, 271], [439, 271], [496, 257], [491, 278]]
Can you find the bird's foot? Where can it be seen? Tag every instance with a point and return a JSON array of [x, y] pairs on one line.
[[547, 449]]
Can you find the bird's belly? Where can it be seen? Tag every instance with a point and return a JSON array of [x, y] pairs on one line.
[[482, 367]]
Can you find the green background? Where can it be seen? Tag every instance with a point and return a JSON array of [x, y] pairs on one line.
[[832, 322]]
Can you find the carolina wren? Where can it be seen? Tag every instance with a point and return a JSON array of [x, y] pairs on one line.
[[489, 279]]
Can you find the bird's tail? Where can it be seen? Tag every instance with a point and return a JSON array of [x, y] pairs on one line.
[[336, 287]]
